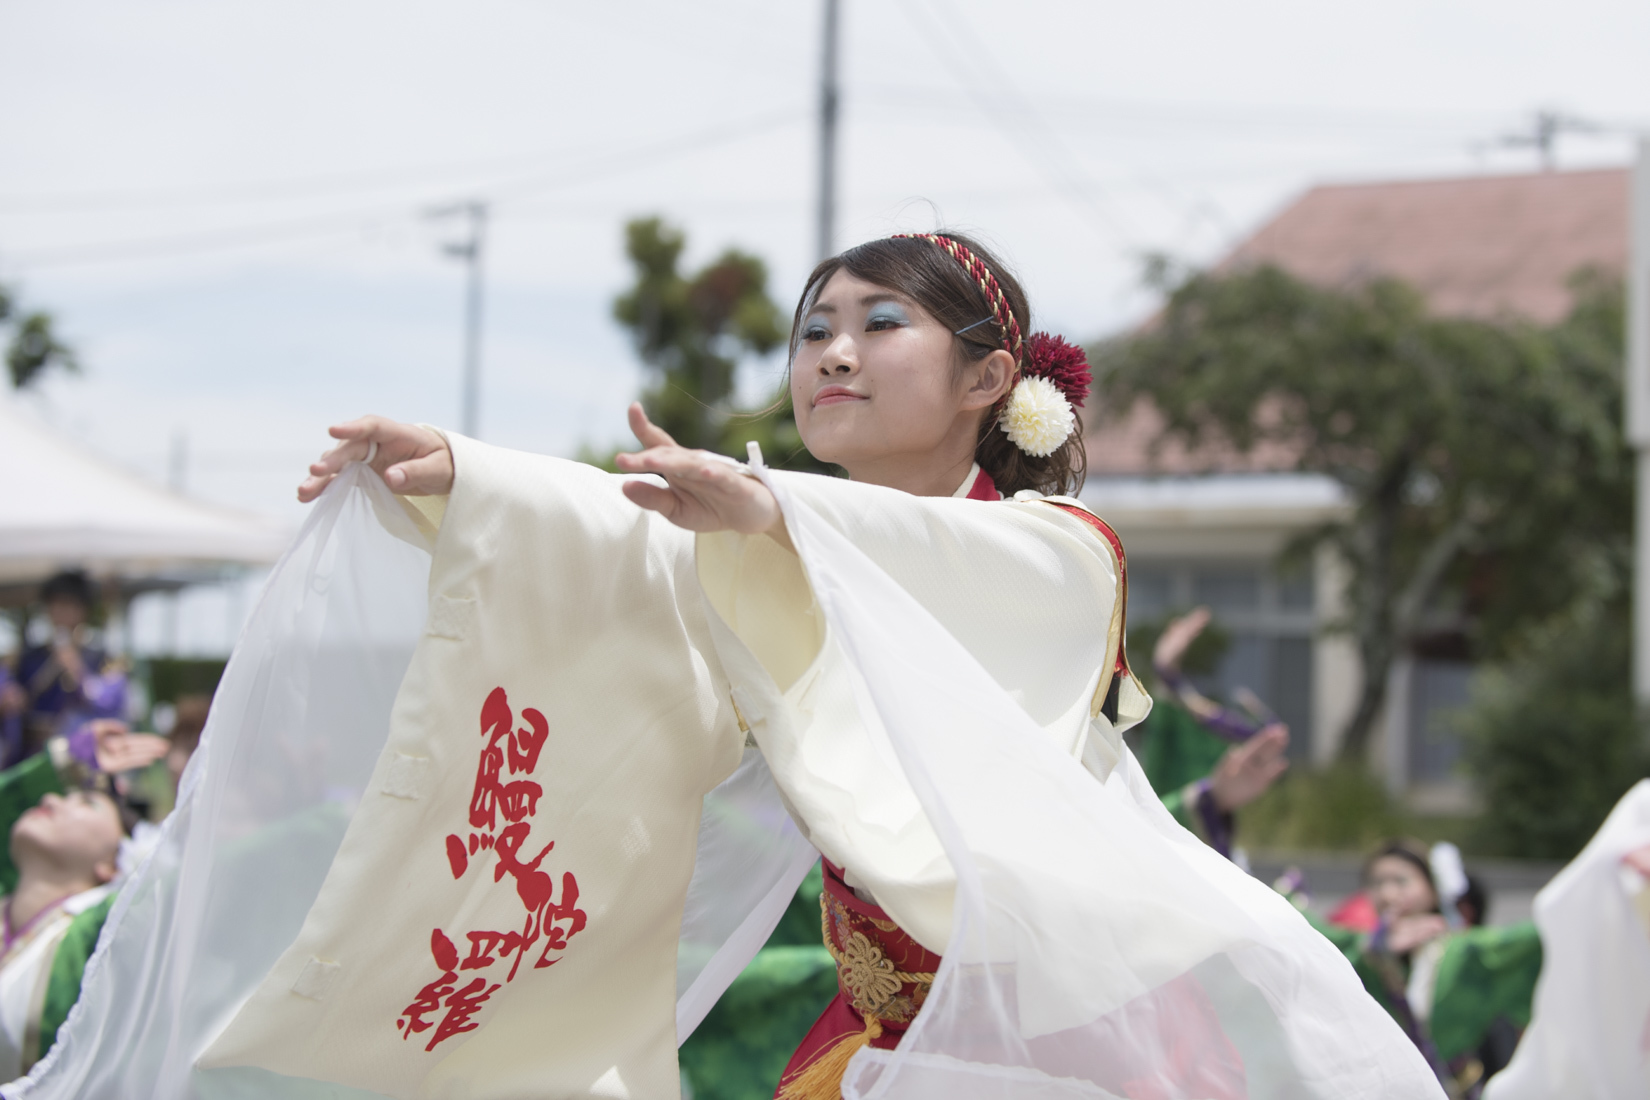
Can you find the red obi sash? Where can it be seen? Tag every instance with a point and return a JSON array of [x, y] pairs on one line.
[[883, 976]]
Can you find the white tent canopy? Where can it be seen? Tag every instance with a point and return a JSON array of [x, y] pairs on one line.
[[61, 506]]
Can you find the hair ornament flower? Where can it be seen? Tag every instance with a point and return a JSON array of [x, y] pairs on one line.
[[1040, 415], [1037, 418]]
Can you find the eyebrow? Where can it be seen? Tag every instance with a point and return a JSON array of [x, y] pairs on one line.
[[868, 300]]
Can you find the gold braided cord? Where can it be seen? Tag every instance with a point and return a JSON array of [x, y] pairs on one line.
[[905, 977], [870, 987], [1007, 323]]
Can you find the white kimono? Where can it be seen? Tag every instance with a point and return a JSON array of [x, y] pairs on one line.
[[491, 903]]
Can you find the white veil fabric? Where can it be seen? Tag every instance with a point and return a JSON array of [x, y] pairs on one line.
[[295, 730], [1097, 951], [1589, 1033]]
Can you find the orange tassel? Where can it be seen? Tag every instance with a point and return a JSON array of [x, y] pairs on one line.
[[822, 1078]]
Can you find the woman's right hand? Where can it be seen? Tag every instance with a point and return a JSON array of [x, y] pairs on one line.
[[413, 461]]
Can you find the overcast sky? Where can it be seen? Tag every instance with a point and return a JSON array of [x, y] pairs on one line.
[[225, 203]]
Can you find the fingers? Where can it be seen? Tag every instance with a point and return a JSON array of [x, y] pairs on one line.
[[424, 460], [652, 497], [431, 475], [353, 449], [648, 433], [103, 729], [676, 462]]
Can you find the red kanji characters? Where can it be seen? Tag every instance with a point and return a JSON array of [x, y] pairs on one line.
[[554, 922], [461, 1005], [429, 998]]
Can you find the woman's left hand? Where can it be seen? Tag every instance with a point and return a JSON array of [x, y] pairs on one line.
[[705, 491]]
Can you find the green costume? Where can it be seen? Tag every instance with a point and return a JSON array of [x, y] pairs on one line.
[[1177, 754], [1482, 991], [68, 968], [741, 1048]]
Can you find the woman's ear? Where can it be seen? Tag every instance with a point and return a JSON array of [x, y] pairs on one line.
[[988, 380]]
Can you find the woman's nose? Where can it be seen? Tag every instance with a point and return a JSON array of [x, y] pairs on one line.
[[837, 358]]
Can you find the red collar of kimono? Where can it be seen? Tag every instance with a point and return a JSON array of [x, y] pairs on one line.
[[984, 488]]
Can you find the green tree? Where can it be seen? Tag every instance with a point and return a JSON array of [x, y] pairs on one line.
[[1551, 736], [692, 330], [1483, 461], [34, 347]]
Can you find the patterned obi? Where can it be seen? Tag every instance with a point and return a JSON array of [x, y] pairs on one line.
[[880, 971]]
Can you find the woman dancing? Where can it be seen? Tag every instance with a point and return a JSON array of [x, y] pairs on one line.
[[915, 673]]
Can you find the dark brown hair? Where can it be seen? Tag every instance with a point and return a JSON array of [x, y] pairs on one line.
[[925, 273]]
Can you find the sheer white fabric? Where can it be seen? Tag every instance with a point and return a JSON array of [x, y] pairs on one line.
[[1098, 950], [1589, 1034], [296, 728], [750, 861]]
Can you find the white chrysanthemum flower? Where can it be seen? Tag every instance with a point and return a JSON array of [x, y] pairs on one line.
[[1038, 417]]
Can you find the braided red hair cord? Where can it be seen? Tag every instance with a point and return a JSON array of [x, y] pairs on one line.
[[1007, 323], [1051, 357]]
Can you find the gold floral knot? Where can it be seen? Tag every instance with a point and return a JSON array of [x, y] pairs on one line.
[[870, 977]]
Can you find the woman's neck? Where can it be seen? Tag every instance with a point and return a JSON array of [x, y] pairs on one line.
[[938, 476], [41, 889]]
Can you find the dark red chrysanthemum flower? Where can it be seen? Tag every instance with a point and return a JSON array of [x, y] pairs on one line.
[[1064, 364]]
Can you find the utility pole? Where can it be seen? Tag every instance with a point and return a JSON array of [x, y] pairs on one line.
[[1542, 136], [177, 480], [470, 251], [1638, 410], [829, 102]]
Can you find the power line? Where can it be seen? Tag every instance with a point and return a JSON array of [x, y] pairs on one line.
[[324, 185], [1036, 140], [512, 189]]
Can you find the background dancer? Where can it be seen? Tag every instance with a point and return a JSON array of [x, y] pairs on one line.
[[65, 825], [1205, 760]]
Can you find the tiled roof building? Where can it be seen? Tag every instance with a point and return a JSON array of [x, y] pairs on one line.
[[1205, 527]]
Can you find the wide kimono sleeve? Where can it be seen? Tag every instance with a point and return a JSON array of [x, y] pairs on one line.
[[1485, 975], [995, 574], [502, 916], [936, 686]]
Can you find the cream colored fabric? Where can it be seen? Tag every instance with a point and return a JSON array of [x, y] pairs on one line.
[[1027, 588], [24, 974], [548, 583]]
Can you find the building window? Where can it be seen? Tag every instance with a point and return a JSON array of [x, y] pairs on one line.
[[1267, 617], [1438, 689]]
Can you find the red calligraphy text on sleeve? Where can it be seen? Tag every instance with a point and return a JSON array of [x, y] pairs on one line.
[[507, 751]]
